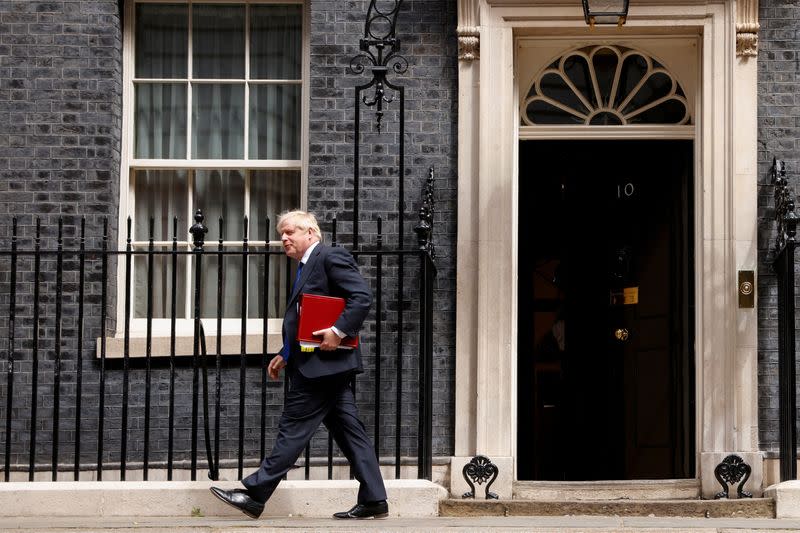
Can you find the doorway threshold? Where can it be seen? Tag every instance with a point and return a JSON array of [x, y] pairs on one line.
[[742, 508], [628, 489]]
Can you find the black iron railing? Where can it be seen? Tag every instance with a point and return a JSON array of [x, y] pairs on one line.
[[97, 393], [784, 267], [60, 319]]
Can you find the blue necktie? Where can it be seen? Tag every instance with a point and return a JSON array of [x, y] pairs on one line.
[[286, 347]]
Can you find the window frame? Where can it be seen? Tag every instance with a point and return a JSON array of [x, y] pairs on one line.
[[129, 165]]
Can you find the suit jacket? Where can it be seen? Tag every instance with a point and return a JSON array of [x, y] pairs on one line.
[[329, 271]]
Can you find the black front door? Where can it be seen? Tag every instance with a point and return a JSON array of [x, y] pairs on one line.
[[605, 310]]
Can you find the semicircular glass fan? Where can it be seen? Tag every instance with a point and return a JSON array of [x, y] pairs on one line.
[[605, 85]]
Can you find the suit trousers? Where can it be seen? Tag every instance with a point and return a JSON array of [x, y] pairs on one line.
[[309, 402]]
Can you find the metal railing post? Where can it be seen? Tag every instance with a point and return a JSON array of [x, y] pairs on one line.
[[126, 357], [243, 353], [148, 349], [198, 231], [783, 265], [103, 308], [424, 231], [35, 355], [11, 332], [172, 333], [57, 348], [79, 350]]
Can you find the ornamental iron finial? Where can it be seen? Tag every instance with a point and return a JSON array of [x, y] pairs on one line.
[[379, 51], [731, 470], [785, 216], [198, 230], [480, 469], [424, 229]]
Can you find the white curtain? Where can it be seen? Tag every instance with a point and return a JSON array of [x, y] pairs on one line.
[[160, 195], [160, 121], [218, 121], [275, 121], [271, 193], [275, 42], [220, 193], [161, 41], [218, 52], [275, 54], [161, 52]]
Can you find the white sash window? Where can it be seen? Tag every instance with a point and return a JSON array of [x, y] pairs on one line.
[[214, 120]]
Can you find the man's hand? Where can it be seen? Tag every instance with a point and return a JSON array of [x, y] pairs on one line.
[[275, 366], [330, 340]]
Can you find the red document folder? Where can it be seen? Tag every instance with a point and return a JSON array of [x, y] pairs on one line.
[[316, 313]]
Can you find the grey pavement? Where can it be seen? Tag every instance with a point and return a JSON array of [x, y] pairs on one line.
[[562, 524]]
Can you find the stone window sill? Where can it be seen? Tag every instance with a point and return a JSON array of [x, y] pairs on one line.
[[184, 345]]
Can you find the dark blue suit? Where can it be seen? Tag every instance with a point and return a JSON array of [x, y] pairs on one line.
[[320, 389]]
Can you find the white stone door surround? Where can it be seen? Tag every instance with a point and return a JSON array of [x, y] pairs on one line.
[[724, 134]]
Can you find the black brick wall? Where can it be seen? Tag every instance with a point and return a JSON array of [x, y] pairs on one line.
[[778, 133], [60, 111], [60, 120]]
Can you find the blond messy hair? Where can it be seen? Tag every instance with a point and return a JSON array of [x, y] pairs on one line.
[[302, 220]]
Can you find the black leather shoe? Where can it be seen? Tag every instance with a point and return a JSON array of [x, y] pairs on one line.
[[365, 511], [240, 499]]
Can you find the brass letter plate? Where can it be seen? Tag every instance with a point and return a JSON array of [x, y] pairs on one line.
[[626, 296], [747, 289], [631, 295]]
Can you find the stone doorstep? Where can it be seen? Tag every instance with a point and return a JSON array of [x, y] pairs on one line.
[[645, 489], [744, 508], [314, 499]]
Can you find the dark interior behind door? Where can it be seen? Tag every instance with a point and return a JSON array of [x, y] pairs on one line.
[[605, 345]]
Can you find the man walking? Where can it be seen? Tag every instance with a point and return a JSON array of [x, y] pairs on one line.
[[319, 390]]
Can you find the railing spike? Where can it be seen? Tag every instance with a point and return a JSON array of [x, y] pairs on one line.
[[198, 230]]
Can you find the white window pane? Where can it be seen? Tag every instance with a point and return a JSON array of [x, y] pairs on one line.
[[162, 40], [275, 42], [276, 291], [160, 194], [162, 285], [231, 285], [218, 118], [218, 38], [271, 193], [220, 193], [160, 121], [275, 122]]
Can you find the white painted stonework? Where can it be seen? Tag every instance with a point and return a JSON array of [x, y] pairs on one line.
[[724, 109]]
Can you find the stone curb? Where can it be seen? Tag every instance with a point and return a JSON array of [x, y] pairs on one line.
[[314, 499]]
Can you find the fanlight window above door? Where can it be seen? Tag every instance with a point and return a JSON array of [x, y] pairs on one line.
[[605, 85]]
